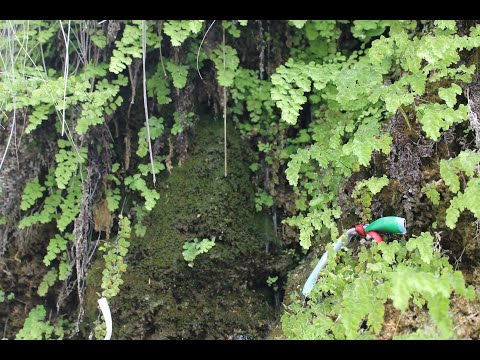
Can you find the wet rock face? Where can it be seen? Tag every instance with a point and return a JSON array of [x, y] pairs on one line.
[[224, 295]]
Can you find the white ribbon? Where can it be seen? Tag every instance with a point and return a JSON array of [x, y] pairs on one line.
[[107, 316]]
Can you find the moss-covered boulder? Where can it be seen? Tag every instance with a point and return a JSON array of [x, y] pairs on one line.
[[224, 295]]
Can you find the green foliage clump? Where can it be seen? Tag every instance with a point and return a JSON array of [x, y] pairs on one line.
[[57, 245], [156, 129], [136, 182], [262, 199], [10, 296], [195, 248], [271, 280], [47, 214], [32, 192], [68, 161], [158, 86], [366, 29], [182, 121], [179, 30], [348, 301], [104, 100], [114, 257], [48, 280], [68, 204], [130, 46], [226, 63], [352, 95], [363, 193], [179, 74], [437, 117], [297, 23], [113, 194], [232, 28], [430, 190], [36, 326], [467, 163]]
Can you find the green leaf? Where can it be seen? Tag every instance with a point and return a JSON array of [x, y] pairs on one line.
[[226, 63], [156, 129], [179, 74], [48, 280], [431, 191], [389, 250], [450, 94], [36, 326], [195, 248], [179, 30], [114, 260], [33, 191], [57, 245], [437, 117], [424, 244], [297, 23]]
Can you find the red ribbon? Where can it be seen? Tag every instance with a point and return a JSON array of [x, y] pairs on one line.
[[360, 230], [376, 236]]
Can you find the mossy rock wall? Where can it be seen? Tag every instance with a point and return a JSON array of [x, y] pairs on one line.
[[224, 295]]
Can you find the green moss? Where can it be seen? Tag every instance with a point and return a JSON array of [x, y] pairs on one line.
[[164, 298]]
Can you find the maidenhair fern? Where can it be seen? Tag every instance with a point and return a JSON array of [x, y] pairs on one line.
[[114, 255], [179, 30], [437, 117], [36, 326], [158, 85], [130, 46], [431, 192], [48, 280], [318, 119], [68, 161], [113, 193], [57, 245], [195, 248], [226, 63], [33, 191], [349, 299], [70, 206], [179, 74], [49, 210], [156, 129], [466, 162], [363, 193]]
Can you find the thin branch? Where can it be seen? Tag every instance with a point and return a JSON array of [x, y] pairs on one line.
[[43, 61], [28, 55], [224, 108], [465, 320], [5, 329], [145, 104], [198, 52], [160, 47], [65, 71], [11, 132], [26, 47]]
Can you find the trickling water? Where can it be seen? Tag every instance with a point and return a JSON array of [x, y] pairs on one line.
[[267, 233], [261, 65], [278, 300], [274, 218], [269, 45], [267, 236]]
